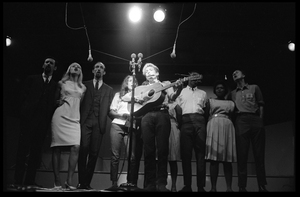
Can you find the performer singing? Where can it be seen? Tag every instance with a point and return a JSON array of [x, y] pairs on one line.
[[156, 127]]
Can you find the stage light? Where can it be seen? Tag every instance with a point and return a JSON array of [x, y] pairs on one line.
[[159, 15], [291, 46], [135, 14], [8, 41]]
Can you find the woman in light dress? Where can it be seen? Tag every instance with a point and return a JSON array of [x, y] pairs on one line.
[[174, 142], [220, 140], [66, 125]]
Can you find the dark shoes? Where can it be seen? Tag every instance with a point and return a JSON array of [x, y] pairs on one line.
[[201, 189], [262, 188], [150, 188], [186, 189], [114, 187], [242, 189], [83, 186], [162, 188]]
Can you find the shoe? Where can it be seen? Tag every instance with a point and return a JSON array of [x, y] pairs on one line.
[[81, 186], [114, 187], [57, 187], [70, 187], [88, 187], [186, 189], [262, 188], [201, 189], [15, 186], [242, 189], [33, 186], [131, 185], [162, 188], [128, 185], [173, 190], [150, 188]]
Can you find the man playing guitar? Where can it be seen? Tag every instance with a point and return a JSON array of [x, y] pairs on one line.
[[156, 126]]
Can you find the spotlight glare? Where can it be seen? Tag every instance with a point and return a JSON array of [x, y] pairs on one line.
[[135, 14], [8, 41], [159, 15], [291, 46]]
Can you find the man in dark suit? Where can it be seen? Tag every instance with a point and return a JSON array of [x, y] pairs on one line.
[[94, 111], [37, 107]]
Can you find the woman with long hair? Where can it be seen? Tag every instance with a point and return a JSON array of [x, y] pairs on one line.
[[119, 132]]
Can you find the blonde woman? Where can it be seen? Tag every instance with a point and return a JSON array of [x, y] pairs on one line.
[[65, 123]]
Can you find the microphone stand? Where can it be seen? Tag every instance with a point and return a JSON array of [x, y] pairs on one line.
[[133, 65]]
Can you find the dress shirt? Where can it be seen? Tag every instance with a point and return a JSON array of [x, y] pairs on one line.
[[247, 98], [192, 100], [100, 83], [45, 77], [120, 107]]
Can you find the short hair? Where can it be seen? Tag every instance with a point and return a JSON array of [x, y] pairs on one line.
[[218, 83], [51, 57], [242, 71], [150, 65], [99, 63]]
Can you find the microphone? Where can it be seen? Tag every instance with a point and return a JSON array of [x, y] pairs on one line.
[[90, 58], [140, 55], [173, 55], [179, 74], [133, 56]]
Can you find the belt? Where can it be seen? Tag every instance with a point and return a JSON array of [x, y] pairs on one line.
[[219, 115], [247, 113], [160, 108], [192, 114]]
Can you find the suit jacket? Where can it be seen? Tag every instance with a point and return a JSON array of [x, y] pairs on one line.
[[32, 92], [105, 101]]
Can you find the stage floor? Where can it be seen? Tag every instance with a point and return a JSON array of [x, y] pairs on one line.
[[119, 189]]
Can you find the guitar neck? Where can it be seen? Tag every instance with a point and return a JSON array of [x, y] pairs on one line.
[[165, 87], [184, 79]]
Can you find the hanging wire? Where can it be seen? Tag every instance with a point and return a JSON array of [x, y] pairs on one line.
[[183, 21], [84, 27], [66, 20], [111, 55], [157, 53]]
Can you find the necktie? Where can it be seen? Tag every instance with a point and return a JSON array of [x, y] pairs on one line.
[[47, 80], [97, 84]]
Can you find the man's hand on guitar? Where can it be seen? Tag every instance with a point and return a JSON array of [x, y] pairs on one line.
[[138, 100], [125, 117], [179, 83]]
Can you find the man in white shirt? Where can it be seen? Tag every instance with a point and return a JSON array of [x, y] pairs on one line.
[[193, 133]]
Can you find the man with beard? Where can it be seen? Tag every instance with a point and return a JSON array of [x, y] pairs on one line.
[[94, 109], [37, 105]]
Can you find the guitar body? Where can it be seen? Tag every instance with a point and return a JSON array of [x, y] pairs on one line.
[[152, 96]]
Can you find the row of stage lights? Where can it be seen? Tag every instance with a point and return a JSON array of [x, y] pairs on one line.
[[135, 14], [291, 45]]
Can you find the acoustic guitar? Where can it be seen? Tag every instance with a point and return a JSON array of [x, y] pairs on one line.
[[149, 96]]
